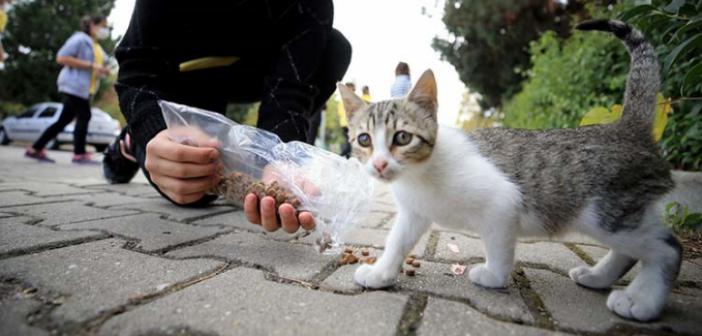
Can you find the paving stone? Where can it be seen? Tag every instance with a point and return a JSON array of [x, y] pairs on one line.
[[689, 270], [581, 309], [552, 254], [377, 219], [94, 277], [153, 233], [235, 219], [17, 237], [162, 206], [13, 317], [142, 190], [15, 198], [383, 207], [296, 261], [468, 247], [67, 212], [437, 279], [101, 199], [442, 317], [43, 188], [241, 302]]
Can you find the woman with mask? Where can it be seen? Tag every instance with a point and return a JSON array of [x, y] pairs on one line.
[[83, 62]]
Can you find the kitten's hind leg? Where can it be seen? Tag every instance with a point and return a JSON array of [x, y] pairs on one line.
[[403, 236], [645, 297], [608, 270]]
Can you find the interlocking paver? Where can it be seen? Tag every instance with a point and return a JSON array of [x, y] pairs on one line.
[[18, 237], [296, 261], [152, 232], [437, 279], [173, 211], [53, 214], [14, 312], [447, 318], [582, 309], [94, 277], [43, 188], [242, 302]]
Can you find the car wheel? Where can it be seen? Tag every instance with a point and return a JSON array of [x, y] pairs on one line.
[[100, 148], [4, 139], [53, 144]]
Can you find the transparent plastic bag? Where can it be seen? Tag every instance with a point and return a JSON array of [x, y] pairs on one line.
[[335, 190]]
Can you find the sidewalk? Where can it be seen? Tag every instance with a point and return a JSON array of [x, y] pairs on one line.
[[80, 257]]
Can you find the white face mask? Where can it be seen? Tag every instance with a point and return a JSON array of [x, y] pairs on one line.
[[102, 33]]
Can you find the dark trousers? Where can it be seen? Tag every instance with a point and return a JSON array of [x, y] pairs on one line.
[[73, 107]]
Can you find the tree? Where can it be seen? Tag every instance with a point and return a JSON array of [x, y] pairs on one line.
[[490, 41], [35, 32]]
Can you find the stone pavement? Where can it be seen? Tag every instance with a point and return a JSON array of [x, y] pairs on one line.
[[80, 257]]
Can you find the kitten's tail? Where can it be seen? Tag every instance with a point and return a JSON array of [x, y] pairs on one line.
[[644, 80]]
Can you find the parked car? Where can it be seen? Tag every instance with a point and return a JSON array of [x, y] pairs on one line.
[[28, 126]]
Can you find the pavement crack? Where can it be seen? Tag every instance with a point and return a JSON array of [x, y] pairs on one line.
[[412, 315], [580, 253], [536, 307], [51, 246]]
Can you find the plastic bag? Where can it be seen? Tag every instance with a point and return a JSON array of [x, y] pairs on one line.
[[335, 190]]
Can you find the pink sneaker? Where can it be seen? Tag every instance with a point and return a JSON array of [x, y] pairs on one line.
[[39, 155], [84, 159]]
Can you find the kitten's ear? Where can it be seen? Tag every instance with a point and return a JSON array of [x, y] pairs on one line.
[[352, 102], [424, 92]]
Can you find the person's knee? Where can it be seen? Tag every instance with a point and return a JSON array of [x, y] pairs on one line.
[[340, 47]]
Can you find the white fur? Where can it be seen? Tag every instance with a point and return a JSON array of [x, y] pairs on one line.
[[467, 192]]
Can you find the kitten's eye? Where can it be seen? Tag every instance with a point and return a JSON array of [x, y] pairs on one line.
[[402, 138], [364, 140]]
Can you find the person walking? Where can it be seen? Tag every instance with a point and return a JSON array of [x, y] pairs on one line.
[[402, 83], [83, 62], [344, 123]]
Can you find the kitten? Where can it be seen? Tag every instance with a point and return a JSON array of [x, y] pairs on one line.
[[601, 180]]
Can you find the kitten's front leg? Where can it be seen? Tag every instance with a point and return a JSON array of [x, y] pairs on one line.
[[499, 238], [402, 238]]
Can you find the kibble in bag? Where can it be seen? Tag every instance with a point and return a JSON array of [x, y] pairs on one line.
[[335, 190]]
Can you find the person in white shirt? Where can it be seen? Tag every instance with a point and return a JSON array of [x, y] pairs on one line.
[[402, 83]]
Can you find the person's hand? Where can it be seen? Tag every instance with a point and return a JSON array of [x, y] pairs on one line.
[[264, 214], [101, 70], [184, 172]]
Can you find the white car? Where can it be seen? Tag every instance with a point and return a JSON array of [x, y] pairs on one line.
[[102, 128]]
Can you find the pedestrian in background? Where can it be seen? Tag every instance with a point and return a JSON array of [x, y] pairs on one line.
[[4, 5], [402, 83], [344, 123], [366, 94], [83, 62]]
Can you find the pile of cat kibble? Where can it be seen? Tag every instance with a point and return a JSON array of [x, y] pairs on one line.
[[235, 186], [349, 258]]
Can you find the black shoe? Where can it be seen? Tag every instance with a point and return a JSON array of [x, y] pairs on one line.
[[116, 168]]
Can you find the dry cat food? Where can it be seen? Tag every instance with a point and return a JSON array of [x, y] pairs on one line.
[[348, 258], [409, 260], [364, 252], [235, 186], [410, 272], [416, 264], [369, 260]]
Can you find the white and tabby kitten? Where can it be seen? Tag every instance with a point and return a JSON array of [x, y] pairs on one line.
[[602, 180]]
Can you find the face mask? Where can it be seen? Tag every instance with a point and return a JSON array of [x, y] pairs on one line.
[[102, 33]]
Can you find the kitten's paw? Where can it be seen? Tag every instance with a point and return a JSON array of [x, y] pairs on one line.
[[482, 276], [633, 307], [584, 276], [370, 276]]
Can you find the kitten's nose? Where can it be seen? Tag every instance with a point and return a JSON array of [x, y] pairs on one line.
[[380, 165]]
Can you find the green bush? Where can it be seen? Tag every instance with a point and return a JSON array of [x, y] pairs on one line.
[[567, 78], [675, 27], [10, 109]]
